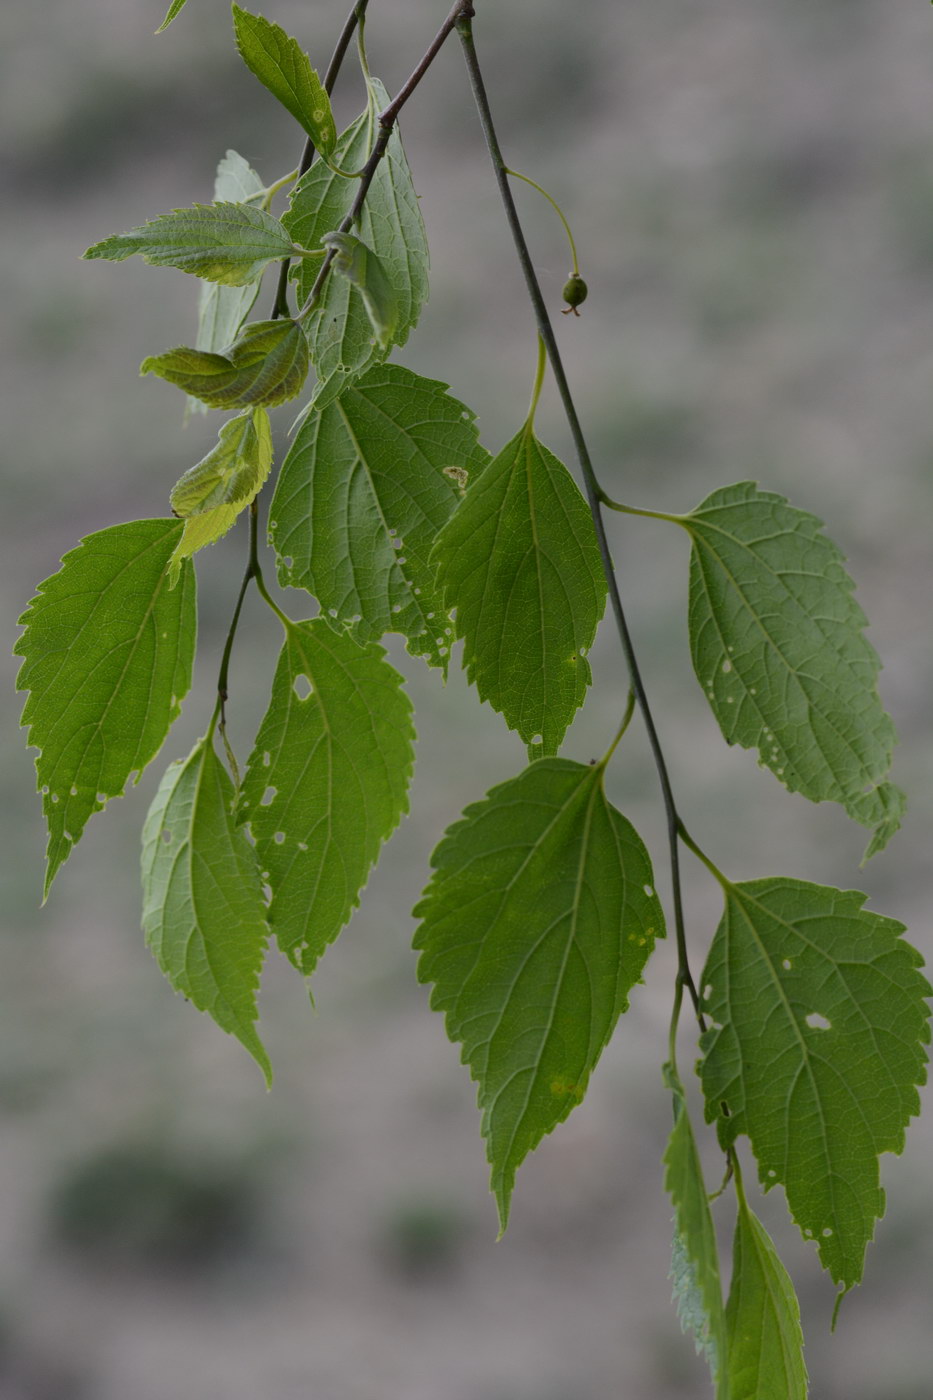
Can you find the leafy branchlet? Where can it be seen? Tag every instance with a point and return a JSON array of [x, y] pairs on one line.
[[541, 911]]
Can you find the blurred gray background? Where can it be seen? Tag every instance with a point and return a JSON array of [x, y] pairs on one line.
[[751, 187]]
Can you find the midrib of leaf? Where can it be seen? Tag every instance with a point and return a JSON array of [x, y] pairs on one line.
[[559, 980], [130, 654], [796, 676]]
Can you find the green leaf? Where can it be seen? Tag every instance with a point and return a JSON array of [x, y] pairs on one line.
[[281, 65], [175, 8], [265, 366], [228, 243], [520, 564], [762, 1318], [327, 782], [232, 472], [339, 330], [222, 310], [211, 494], [361, 496], [537, 923], [363, 270], [779, 651], [108, 652], [203, 912], [816, 1049], [694, 1253]]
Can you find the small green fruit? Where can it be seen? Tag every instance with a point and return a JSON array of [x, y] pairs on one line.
[[574, 293]]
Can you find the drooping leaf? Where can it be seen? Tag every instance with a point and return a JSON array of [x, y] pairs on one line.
[[363, 270], [520, 564], [816, 1048], [265, 366], [361, 497], [175, 8], [762, 1319], [694, 1253], [232, 472], [203, 911], [327, 782], [282, 66], [778, 648], [211, 494], [222, 310], [227, 243], [340, 332], [537, 923], [108, 652]]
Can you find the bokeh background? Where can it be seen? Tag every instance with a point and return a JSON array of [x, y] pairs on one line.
[[751, 185]]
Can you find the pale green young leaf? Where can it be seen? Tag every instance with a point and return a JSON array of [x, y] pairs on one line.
[[339, 330], [175, 8], [203, 910], [227, 243], [762, 1319], [816, 1048], [537, 923], [265, 366], [282, 66], [211, 494], [327, 782], [363, 270], [779, 650], [360, 499], [222, 310], [520, 564], [107, 657], [694, 1252], [232, 472]]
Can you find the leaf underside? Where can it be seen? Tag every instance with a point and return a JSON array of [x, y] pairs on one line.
[[361, 497], [520, 564], [537, 923], [816, 1049], [222, 310], [211, 494], [327, 782], [203, 911], [778, 648], [227, 243], [694, 1252], [340, 333], [762, 1319], [265, 366], [107, 656]]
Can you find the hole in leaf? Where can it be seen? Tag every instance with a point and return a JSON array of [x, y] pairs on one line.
[[267, 893], [649, 891], [267, 797], [302, 845], [302, 687], [787, 964], [535, 739], [827, 1232], [279, 837], [816, 1022], [266, 759], [708, 992], [727, 667], [288, 561], [166, 835]]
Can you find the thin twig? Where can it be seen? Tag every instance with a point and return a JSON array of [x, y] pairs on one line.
[[387, 119], [593, 490], [280, 305]]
